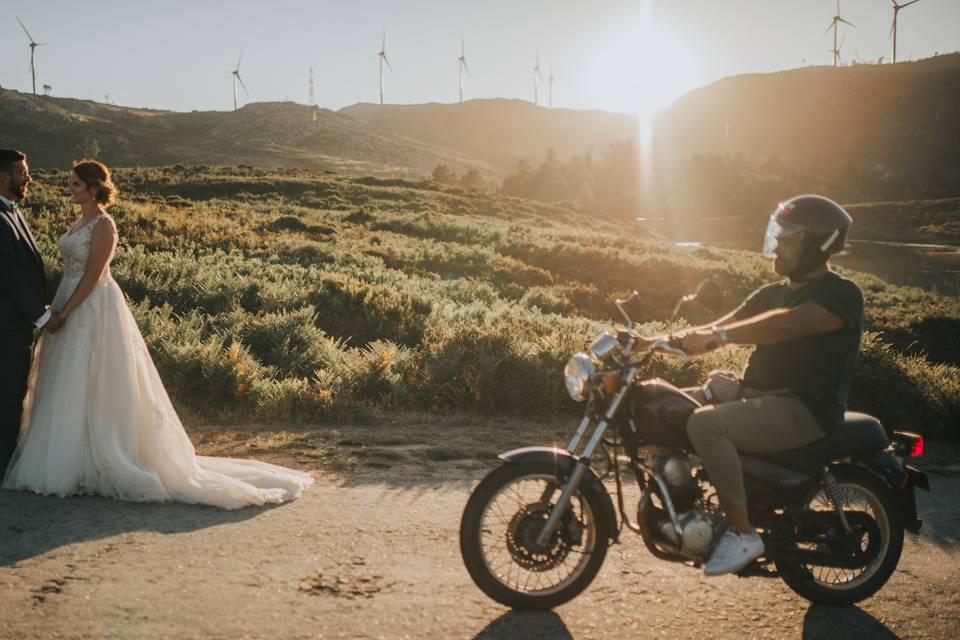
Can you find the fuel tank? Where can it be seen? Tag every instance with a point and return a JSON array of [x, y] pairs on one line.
[[659, 413]]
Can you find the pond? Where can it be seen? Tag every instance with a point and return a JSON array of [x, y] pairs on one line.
[[934, 267]]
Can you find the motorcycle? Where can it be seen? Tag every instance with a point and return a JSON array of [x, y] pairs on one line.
[[832, 514]]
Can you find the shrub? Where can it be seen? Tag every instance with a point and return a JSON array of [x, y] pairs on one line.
[[293, 294]]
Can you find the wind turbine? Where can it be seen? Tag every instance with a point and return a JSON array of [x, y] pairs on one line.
[[833, 25], [462, 62], [33, 52], [383, 58], [237, 79], [893, 28], [550, 81], [836, 51], [537, 79]]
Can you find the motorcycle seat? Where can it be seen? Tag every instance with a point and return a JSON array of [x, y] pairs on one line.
[[859, 435]]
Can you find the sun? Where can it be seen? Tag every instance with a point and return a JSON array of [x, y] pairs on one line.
[[641, 70]]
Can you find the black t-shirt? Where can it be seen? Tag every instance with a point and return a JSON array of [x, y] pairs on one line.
[[816, 369]]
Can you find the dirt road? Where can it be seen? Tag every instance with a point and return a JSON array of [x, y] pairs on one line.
[[371, 552]]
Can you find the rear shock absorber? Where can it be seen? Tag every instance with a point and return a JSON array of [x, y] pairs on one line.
[[832, 489]]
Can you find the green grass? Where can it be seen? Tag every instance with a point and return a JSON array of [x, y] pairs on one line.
[[299, 295]]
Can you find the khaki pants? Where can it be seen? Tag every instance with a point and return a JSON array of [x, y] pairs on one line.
[[761, 422]]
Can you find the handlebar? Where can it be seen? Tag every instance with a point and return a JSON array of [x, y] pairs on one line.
[[620, 302], [671, 346]]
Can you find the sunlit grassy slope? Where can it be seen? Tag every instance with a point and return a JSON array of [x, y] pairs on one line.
[[294, 294], [932, 221]]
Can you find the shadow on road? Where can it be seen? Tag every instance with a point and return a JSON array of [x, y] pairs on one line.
[[526, 624], [31, 525], [843, 622]]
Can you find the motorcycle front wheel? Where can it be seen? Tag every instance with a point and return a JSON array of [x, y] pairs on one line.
[[498, 532]]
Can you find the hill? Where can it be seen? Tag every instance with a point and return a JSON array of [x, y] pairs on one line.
[[897, 124], [54, 131], [861, 133], [290, 293], [500, 132]]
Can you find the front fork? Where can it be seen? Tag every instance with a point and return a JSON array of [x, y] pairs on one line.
[[579, 469]]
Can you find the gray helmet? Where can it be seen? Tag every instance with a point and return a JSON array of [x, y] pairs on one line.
[[823, 223]]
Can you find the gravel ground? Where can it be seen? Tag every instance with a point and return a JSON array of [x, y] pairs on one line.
[[371, 551]]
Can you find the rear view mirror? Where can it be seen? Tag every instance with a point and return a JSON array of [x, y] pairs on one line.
[[708, 295], [622, 304]]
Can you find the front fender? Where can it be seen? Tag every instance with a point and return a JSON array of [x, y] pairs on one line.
[[564, 462]]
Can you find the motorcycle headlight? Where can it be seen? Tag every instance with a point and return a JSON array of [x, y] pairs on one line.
[[577, 373]]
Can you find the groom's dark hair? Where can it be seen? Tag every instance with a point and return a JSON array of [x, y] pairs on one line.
[[8, 157]]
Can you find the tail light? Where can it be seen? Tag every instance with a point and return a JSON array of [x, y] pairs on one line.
[[907, 444], [917, 449]]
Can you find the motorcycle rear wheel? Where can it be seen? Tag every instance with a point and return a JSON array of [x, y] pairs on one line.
[[823, 585], [496, 538]]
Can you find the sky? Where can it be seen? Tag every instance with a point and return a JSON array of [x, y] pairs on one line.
[[631, 56]]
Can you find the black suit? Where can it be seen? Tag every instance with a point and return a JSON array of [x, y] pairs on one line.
[[22, 296]]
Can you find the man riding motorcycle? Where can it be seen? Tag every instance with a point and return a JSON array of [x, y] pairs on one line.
[[807, 330]]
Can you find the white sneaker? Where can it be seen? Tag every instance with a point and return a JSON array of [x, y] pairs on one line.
[[733, 552]]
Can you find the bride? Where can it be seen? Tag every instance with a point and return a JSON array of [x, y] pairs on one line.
[[96, 416]]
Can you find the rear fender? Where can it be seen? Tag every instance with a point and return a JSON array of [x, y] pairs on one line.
[[564, 462], [902, 480]]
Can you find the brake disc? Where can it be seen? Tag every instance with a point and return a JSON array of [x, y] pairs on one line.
[[526, 525]]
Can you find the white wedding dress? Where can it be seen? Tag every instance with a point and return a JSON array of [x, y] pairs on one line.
[[98, 420]]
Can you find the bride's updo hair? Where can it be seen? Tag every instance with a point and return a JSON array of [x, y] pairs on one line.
[[96, 176]]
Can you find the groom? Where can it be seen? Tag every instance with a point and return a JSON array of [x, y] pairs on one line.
[[22, 296]]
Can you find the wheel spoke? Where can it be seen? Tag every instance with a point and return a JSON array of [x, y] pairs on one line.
[[856, 499], [509, 526]]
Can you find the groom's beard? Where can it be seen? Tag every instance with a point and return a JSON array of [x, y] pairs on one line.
[[19, 190]]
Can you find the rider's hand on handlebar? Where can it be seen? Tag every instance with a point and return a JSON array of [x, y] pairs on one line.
[[643, 342], [689, 343], [699, 342]]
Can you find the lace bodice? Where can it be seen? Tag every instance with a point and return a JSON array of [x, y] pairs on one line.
[[75, 250]]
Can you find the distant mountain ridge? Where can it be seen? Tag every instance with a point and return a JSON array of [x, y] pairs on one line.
[[501, 132], [904, 116], [901, 120], [54, 131]]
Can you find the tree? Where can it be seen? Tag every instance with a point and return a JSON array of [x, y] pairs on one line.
[[442, 174], [518, 182], [89, 148], [546, 183], [617, 182], [472, 180], [852, 184]]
